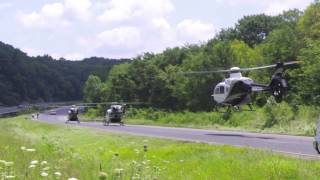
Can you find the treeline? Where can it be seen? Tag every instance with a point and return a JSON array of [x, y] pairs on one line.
[[25, 79], [254, 40]]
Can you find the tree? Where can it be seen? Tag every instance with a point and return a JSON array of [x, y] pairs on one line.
[[92, 89], [254, 29], [309, 23]]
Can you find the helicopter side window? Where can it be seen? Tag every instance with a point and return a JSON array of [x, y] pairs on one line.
[[221, 89], [217, 90]]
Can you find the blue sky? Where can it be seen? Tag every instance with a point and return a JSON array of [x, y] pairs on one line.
[[75, 29]]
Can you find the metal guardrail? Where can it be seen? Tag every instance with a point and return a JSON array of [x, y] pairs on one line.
[[9, 110], [4, 111]]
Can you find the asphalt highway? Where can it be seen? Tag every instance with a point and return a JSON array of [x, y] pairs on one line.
[[292, 145]]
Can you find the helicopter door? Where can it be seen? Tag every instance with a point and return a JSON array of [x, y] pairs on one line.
[[219, 93]]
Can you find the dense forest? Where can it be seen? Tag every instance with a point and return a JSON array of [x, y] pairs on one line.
[[254, 40], [25, 79]]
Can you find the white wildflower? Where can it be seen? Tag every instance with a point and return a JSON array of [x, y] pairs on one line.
[[34, 162], [23, 148], [10, 177], [3, 162], [30, 150], [72, 178], [32, 166], [44, 174], [118, 171], [46, 169], [8, 164], [136, 177], [57, 174], [44, 163]]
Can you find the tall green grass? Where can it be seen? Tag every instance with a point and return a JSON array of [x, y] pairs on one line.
[[33, 150], [275, 118]]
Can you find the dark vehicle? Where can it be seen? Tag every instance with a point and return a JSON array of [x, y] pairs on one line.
[[73, 114], [115, 114]]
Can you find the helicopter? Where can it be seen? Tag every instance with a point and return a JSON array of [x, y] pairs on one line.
[[73, 114], [237, 90], [115, 114], [115, 111]]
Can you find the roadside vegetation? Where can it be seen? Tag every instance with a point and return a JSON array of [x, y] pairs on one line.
[[272, 118], [35, 150], [280, 119]]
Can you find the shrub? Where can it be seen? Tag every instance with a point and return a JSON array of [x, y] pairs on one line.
[[309, 114], [277, 113], [92, 113]]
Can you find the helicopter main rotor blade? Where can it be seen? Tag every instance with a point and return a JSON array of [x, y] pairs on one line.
[[203, 72], [111, 103], [242, 69], [258, 68], [271, 66]]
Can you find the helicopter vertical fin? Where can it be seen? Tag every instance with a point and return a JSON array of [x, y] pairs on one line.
[[279, 85]]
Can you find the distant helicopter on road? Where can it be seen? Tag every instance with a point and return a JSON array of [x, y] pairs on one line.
[[115, 114], [115, 111], [73, 114], [237, 90]]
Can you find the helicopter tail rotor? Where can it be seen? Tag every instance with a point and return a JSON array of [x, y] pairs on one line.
[[279, 85]]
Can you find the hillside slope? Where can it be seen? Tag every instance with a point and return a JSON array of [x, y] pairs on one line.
[[42, 78]]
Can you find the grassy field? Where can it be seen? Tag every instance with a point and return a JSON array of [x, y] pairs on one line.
[[34, 150], [279, 118]]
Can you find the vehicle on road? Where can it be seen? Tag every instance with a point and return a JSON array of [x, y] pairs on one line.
[[73, 114], [115, 114], [53, 112]]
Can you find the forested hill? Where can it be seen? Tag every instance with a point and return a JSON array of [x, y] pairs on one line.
[[253, 41], [42, 78]]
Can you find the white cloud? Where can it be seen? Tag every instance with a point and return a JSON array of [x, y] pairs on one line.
[[53, 10], [275, 7], [74, 56], [129, 27], [5, 5], [122, 10], [32, 51], [194, 31], [272, 7], [40, 20], [80, 8], [161, 23], [122, 37], [57, 14]]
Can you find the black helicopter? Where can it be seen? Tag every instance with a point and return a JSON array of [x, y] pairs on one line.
[[237, 90]]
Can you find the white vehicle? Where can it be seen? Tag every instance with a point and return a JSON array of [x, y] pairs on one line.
[[53, 112]]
